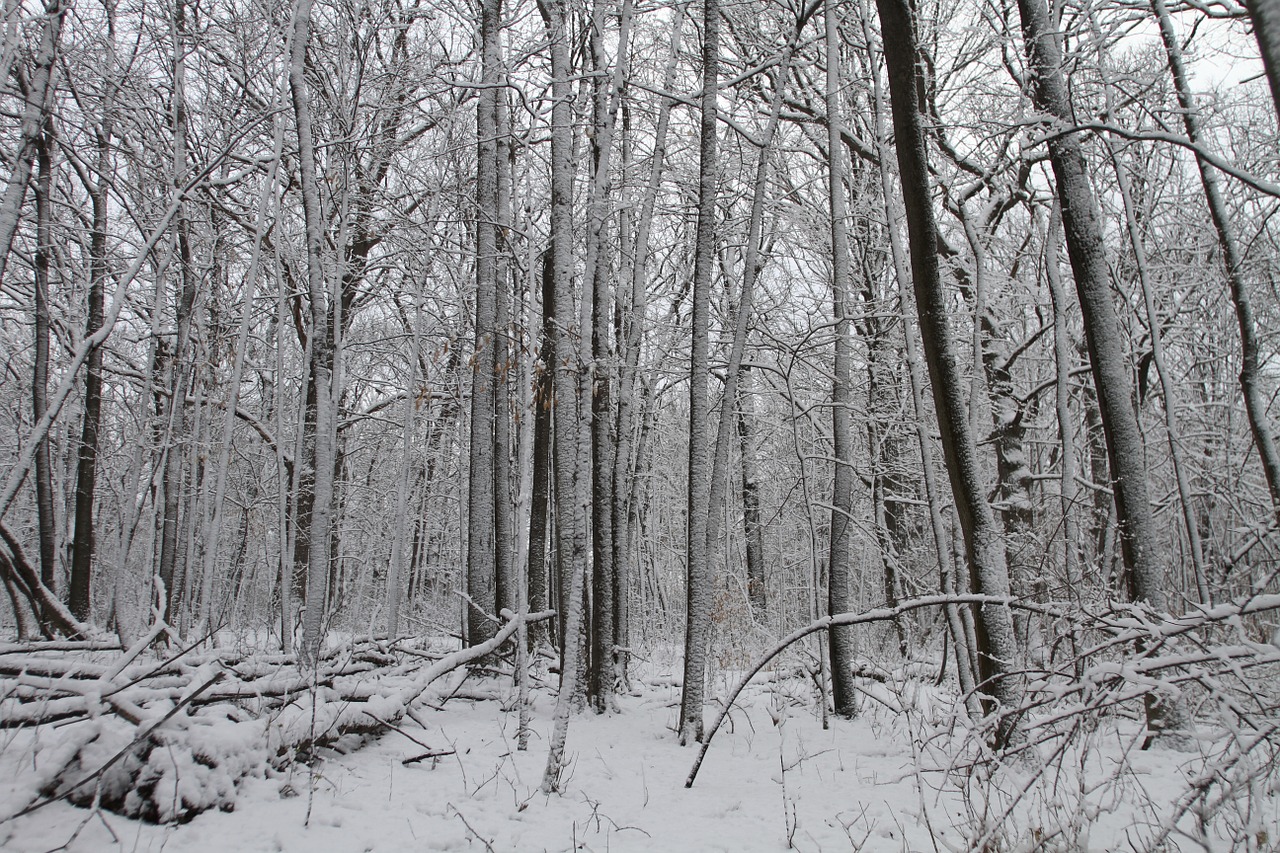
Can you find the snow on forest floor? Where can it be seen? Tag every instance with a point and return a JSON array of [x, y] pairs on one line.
[[773, 779]]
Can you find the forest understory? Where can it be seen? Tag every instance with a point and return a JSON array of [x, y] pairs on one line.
[[417, 744]]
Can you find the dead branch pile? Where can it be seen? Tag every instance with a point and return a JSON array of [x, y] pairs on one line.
[[164, 735]]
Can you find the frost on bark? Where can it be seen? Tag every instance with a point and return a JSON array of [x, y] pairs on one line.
[[984, 549], [698, 614], [571, 483], [46, 519], [319, 452], [1082, 227], [839, 574], [481, 555]]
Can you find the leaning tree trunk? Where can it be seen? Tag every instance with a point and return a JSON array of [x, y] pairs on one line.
[[1082, 226], [38, 96], [964, 654], [46, 520], [984, 551]]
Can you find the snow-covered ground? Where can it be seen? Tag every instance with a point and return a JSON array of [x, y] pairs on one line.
[[774, 779]]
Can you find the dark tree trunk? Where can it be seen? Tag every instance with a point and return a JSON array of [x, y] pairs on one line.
[[699, 589], [481, 565], [984, 550], [46, 520], [541, 490], [839, 580], [1111, 370], [82, 540]]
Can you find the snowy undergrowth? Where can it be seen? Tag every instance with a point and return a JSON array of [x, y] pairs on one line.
[[905, 775]]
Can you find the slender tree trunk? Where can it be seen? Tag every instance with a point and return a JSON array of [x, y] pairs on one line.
[[1111, 372], [504, 506], [540, 508], [1062, 401], [83, 538], [268, 204], [320, 452], [181, 366], [1167, 387], [396, 567], [571, 482], [699, 589], [839, 577], [633, 322], [481, 556], [752, 526], [607, 98], [46, 518], [998, 654]]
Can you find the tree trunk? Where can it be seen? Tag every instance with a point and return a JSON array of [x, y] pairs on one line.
[[504, 506], [83, 539], [984, 552], [571, 482], [481, 556], [963, 651], [839, 578], [1111, 371], [46, 518], [752, 527], [632, 318], [1266, 28], [540, 509], [38, 96], [699, 589], [608, 91]]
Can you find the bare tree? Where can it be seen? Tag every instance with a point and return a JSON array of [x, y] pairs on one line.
[[984, 548], [699, 585], [1111, 372]]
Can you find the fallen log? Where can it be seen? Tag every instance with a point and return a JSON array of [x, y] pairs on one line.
[[164, 742]]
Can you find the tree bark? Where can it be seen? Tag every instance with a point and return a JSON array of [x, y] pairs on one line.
[[481, 555], [984, 552], [46, 517], [839, 572], [1111, 371], [571, 481], [699, 588], [320, 452]]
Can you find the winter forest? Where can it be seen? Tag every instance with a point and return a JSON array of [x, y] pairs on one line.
[[640, 425]]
